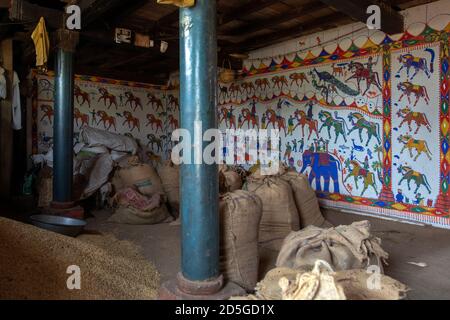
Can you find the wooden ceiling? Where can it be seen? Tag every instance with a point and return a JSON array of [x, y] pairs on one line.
[[243, 25]]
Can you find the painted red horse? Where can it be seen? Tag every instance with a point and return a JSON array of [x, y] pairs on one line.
[[154, 101], [250, 118], [78, 115], [78, 93], [275, 120], [360, 73], [131, 98], [154, 122], [108, 121], [132, 122], [173, 123], [303, 121], [106, 96]]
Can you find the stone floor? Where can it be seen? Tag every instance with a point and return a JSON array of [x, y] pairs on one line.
[[404, 242]]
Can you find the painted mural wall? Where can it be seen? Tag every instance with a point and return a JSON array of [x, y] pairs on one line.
[[145, 112]]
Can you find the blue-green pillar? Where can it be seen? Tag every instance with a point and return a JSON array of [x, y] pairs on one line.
[[199, 182], [63, 119]]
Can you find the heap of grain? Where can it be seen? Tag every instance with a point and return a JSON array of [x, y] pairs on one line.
[[34, 262]]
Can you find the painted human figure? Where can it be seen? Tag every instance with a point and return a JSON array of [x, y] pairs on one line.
[[302, 145], [287, 153], [294, 145], [290, 125], [253, 109], [309, 114], [419, 199], [370, 64], [263, 121], [399, 197], [240, 121], [366, 163]]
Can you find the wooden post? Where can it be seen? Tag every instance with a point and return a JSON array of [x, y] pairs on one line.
[[6, 133]]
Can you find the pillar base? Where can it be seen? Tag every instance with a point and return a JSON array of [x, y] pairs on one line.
[[66, 209], [386, 195], [170, 291]]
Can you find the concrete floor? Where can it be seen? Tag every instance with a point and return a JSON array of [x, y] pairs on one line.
[[404, 242]]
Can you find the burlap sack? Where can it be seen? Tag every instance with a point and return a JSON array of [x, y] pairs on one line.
[[233, 179], [280, 215], [142, 176], [170, 177], [240, 214], [130, 215], [305, 199], [344, 248], [353, 282]]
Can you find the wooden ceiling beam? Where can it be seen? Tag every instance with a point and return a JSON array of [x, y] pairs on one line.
[[271, 22], [290, 33], [244, 10], [392, 22]]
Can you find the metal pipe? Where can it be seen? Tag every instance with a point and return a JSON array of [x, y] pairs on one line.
[[63, 128], [199, 182]]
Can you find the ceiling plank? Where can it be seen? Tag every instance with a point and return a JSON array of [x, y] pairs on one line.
[[291, 32], [392, 22], [242, 11], [271, 22]]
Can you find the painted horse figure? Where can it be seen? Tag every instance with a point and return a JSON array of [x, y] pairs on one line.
[[250, 118], [154, 101], [108, 121], [407, 89], [323, 165], [173, 102], [329, 122], [78, 115], [154, 122], [106, 96], [133, 122], [227, 116], [153, 140], [409, 116], [357, 171], [410, 143], [409, 61], [131, 98], [275, 120], [78, 93], [410, 174], [373, 128], [173, 123], [303, 121], [248, 87], [362, 73]]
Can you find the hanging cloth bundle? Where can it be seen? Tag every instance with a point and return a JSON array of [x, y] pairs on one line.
[[41, 44], [178, 3]]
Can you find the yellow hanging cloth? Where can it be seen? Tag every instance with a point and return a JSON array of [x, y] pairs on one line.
[[41, 44], [178, 3]]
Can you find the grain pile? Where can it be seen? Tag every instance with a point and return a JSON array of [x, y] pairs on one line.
[[33, 265]]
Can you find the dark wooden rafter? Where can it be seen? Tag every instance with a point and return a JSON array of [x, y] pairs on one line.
[[271, 22], [291, 32], [392, 22], [244, 10]]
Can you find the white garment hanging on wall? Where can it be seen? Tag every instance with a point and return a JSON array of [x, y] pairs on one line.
[[2, 83], [16, 108]]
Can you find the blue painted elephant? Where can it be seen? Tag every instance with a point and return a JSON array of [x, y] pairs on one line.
[[322, 165]]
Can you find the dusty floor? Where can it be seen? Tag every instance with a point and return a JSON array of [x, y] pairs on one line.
[[404, 242]]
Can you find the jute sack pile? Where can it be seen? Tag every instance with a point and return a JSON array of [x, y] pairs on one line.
[[343, 247], [170, 177], [135, 208], [280, 215], [233, 179], [354, 284], [240, 214], [142, 176], [305, 199]]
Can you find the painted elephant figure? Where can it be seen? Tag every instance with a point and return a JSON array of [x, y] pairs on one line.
[[322, 165]]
